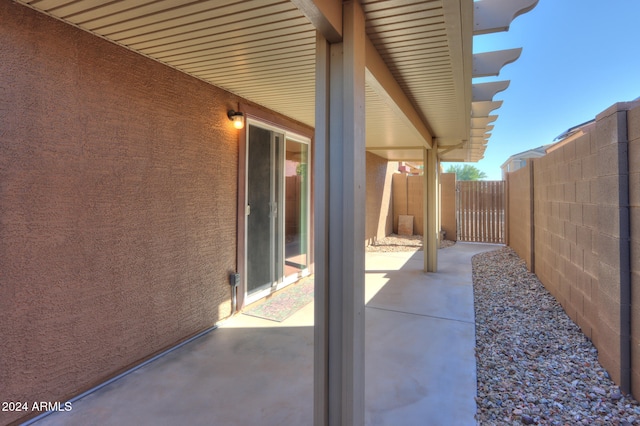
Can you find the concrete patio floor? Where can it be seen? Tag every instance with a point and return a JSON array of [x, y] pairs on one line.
[[420, 362]]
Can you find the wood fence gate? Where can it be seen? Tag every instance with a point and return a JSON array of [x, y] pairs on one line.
[[480, 211]]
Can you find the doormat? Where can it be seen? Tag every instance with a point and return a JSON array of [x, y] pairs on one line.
[[284, 303]]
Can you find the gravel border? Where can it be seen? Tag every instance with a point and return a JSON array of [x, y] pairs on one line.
[[534, 365], [401, 243]]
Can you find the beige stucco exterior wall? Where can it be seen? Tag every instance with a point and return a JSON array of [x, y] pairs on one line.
[[379, 210], [119, 182]]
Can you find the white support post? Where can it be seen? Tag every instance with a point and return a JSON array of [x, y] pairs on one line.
[[321, 233], [425, 209], [439, 202], [430, 208], [339, 225]]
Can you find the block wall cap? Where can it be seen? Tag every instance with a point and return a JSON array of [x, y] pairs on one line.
[[618, 107]]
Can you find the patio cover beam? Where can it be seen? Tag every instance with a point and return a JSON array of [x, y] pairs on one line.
[[325, 15], [380, 79], [451, 148], [339, 167]]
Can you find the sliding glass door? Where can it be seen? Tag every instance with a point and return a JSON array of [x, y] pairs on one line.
[[264, 197], [277, 209]]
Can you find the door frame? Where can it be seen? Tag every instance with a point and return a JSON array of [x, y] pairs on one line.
[[293, 131]]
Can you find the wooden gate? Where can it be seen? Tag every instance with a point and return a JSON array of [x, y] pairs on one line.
[[480, 211]]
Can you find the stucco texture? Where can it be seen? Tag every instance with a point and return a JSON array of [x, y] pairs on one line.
[[379, 211], [118, 181]]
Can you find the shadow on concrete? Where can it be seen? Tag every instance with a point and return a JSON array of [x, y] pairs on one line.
[[420, 362]]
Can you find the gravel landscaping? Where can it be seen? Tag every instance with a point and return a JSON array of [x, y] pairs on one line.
[[534, 365], [400, 243]]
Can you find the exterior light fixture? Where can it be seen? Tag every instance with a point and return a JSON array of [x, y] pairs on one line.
[[237, 118]]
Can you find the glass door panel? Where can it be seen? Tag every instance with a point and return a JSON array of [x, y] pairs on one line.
[[296, 202], [265, 221], [259, 194]]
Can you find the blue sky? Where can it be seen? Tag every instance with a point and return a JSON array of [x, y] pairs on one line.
[[579, 57]]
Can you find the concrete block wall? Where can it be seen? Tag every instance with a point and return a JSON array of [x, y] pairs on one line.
[[633, 125], [448, 205], [379, 210], [407, 200], [415, 206], [586, 223], [613, 243], [566, 228], [400, 197], [519, 198]]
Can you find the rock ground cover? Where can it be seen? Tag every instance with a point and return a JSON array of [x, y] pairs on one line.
[[399, 243], [534, 365]]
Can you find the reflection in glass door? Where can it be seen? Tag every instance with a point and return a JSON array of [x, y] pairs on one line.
[[296, 224]]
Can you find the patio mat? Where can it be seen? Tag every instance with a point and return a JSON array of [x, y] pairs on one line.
[[284, 303]]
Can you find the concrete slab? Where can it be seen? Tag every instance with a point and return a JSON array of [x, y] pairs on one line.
[[420, 362], [420, 339], [419, 370], [231, 376]]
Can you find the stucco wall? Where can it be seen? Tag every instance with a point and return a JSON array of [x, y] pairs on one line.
[[448, 205], [379, 210], [118, 181]]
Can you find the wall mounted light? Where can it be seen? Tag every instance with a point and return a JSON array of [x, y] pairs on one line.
[[237, 118]]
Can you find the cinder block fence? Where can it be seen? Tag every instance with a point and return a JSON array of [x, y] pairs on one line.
[[574, 216]]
